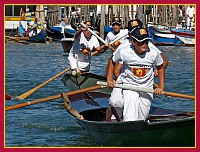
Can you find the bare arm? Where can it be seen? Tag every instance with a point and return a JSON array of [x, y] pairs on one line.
[[161, 76], [165, 62], [102, 48], [118, 68], [109, 72], [78, 33]]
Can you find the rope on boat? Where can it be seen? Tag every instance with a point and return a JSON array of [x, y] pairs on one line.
[[69, 108]]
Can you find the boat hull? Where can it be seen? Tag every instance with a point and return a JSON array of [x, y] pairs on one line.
[[186, 36], [67, 44], [141, 134], [59, 32], [183, 32], [56, 35], [164, 128], [163, 38], [40, 37], [188, 41]]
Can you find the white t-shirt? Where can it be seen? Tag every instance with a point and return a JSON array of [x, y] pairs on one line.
[[76, 53], [190, 11], [138, 68], [111, 36], [82, 43]]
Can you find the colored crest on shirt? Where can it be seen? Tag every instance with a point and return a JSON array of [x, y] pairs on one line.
[[139, 72], [85, 50], [117, 43]]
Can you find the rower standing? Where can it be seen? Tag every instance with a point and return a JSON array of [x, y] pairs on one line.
[[116, 33], [190, 17], [138, 60], [28, 15], [80, 53]]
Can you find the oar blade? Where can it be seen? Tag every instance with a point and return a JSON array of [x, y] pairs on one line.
[[7, 97]]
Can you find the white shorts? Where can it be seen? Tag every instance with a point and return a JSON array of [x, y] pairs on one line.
[[116, 100], [80, 65], [134, 105]]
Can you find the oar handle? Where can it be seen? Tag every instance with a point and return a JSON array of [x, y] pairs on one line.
[[128, 87], [98, 37], [147, 90], [115, 40]]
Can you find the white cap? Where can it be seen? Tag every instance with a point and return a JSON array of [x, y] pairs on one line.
[[27, 9]]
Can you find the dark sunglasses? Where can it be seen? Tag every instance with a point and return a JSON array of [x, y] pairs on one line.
[[116, 24], [143, 42]]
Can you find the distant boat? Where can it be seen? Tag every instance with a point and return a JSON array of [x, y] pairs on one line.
[[163, 36], [188, 41], [59, 32], [36, 36], [186, 36], [183, 32], [67, 44], [39, 37]]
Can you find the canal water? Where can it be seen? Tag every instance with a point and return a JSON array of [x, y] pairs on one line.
[[48, 124]]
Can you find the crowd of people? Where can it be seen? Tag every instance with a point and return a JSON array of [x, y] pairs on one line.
[[187, 16], [30, 27], [135, 61]]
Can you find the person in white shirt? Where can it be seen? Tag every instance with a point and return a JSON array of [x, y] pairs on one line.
[[190, 16], [80, 53], [138, 60], [133, 24], [116, 33]]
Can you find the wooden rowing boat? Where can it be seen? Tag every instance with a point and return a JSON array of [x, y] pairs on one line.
[[188, 41], [58, 32], [163, 37], [67, 44], [185, 35], [183, 32], [85, 80], [162, 128], [40, 37]]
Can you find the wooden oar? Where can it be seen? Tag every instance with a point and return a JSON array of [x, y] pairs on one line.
[[147, 90], [98, 37], [96, 52], [17, 39], [115, 40], [26, 94], [52, 98], [173, 94], [155, 85]]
